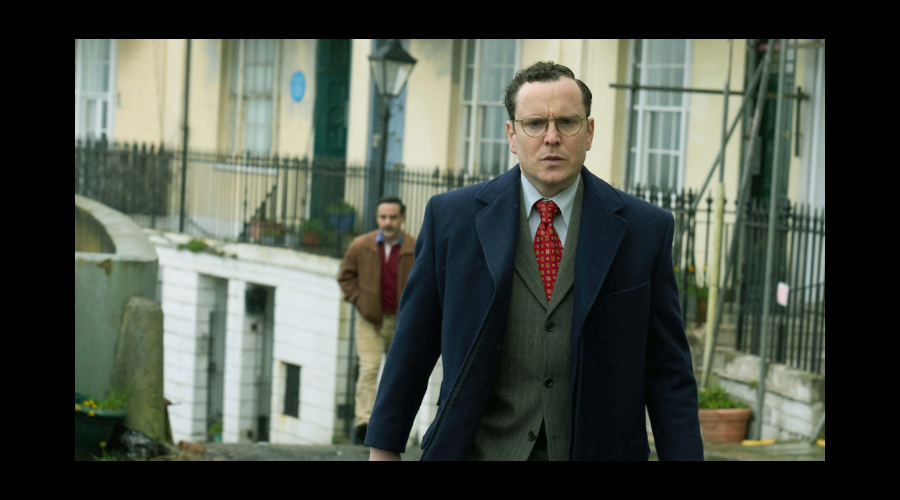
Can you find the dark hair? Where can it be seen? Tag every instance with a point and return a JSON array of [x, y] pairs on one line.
[[542, 71], [391, 199]]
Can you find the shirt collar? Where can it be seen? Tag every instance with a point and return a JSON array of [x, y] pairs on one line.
[[565, 200], [380, 238]]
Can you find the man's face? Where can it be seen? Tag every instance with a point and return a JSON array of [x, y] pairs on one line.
[[553, 161], [389, 220]]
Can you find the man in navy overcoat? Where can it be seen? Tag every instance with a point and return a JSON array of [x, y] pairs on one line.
[[626, 347]]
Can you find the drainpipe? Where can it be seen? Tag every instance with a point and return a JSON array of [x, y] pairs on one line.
[[187, 81]]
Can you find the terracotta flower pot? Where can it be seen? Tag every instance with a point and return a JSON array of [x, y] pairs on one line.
[[724, 425]]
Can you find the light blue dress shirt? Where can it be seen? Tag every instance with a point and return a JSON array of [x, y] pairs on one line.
[[565, 200]]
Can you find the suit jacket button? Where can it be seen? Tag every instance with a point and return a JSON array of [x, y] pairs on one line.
[[532, 436], [548, 382], [550, 326]]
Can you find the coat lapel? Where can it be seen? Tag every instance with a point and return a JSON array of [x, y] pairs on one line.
[[497, 225], [526, 263], [600, 234], [566, 276]]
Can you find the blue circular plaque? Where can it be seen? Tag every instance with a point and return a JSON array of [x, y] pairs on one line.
[[298, 86]]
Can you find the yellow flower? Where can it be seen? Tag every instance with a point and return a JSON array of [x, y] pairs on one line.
[[77, 408], [103, 444], [690, 269], [90, 414], [676, 269], [703, 390]]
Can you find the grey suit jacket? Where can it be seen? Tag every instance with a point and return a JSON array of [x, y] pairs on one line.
[[531, 387]]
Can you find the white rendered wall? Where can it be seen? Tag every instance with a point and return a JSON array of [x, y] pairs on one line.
[[310, 330]]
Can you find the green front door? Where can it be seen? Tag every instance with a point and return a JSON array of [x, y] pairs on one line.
[[769, 131], [330, 115]]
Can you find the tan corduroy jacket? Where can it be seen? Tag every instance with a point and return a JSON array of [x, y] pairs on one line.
[[360, 276]]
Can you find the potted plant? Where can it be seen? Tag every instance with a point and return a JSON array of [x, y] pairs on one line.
[[215, 431], [311, 229], [95, 421], [272, 237], [260, 226], [722, 418], [342, 216]]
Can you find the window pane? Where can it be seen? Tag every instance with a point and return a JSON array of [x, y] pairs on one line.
[[467, 92], [664, 75], [680, 50], [651, 169], [677, 81], [235, 65], [90, 119], [676, 131], [465, 154], [664, 172], [489, 123], [470, 52], [667, 131], [653, 124], [485, 163]]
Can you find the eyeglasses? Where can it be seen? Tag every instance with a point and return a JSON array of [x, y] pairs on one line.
[[536, 125]]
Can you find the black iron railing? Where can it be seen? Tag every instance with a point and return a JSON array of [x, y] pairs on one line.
[[319, 206]]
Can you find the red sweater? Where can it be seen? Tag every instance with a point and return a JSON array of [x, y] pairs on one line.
[[389, 279]]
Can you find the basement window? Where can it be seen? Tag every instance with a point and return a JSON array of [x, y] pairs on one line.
[[292, 391]]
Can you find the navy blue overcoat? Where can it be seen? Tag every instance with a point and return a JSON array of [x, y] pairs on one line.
[[628, 347]]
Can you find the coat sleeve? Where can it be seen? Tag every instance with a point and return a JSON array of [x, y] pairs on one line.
[[414, 350], [671, 391], [348, 278]]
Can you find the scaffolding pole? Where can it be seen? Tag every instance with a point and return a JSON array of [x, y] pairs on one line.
[[742, 198], [712, 281], [740, 115], [770, 245]]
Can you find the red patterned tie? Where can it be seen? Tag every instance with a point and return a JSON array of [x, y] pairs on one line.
[[547, 247]]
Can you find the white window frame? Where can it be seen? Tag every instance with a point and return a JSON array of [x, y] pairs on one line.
[[234, 125], [639, 175], [475, 138], [109, 96]]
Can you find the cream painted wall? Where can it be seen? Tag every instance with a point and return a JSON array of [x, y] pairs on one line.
[[205, 94], [704, 128], [360, 78], [595, 63], [150, 91], [140, 90], [427, 132], [150, 88], [794, 187], [173, 88], [295, 119], [619, 132]]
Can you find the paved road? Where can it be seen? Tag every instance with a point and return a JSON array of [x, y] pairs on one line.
[[787, 451], [270, 453]]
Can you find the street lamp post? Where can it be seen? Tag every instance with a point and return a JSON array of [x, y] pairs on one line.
[[391, 66]]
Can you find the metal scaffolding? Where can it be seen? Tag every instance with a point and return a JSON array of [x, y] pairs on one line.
[[757, 84]]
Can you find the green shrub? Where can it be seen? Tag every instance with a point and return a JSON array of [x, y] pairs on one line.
[[716, 398]]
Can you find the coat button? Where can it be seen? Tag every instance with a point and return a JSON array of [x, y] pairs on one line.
[[531, 436], [548, 382], [550, 326]]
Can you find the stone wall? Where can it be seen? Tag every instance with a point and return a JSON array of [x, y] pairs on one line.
[[794, 400], [114, 262]]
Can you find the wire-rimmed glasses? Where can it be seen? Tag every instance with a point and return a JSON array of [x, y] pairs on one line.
[[536, 125]]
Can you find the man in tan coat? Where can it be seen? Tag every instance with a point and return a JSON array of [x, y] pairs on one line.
[[373, 274]]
